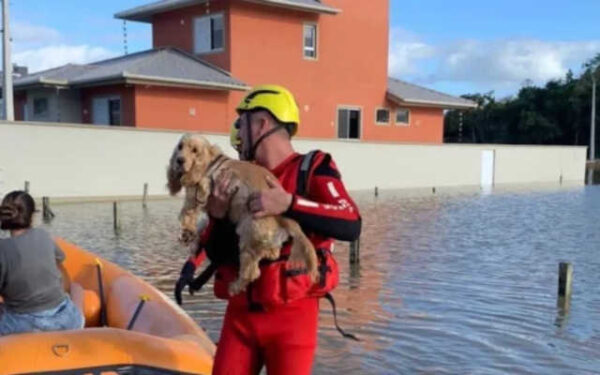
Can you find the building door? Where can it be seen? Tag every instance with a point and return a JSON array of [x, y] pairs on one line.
[[106, 111], [114, 111], [487, 168], [349, 123]]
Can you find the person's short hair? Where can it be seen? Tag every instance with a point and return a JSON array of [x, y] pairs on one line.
[[288, 127], [16, 211]]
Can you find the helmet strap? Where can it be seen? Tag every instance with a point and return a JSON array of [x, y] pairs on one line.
[[250, 154]]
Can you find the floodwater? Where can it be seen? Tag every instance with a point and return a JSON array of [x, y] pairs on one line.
[[447, 283]]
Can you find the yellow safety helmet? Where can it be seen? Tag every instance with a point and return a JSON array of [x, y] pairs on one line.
[[234, 135], [278, 100]]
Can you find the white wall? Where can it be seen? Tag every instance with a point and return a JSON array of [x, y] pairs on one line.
[[99, 161]]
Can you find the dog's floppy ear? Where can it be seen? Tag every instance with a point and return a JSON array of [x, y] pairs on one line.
[[173, 180], [214, 151]]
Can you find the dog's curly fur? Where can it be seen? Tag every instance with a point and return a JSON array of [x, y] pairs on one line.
[[192, 167]]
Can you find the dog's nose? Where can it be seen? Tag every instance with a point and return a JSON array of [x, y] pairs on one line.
[[180, 160]]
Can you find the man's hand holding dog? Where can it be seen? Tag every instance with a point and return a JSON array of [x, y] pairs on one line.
[[272, 201]]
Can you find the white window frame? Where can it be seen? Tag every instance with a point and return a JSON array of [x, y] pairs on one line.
[[361, 125], [399, 123], [314, 48], [209, 17], [389, 116]]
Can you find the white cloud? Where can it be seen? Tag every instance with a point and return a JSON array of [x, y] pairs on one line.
[[57, 55], [489, 65], [511, 61], [23, 32], [406, 50]]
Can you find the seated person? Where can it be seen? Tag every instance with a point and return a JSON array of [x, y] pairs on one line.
[[30, 274]]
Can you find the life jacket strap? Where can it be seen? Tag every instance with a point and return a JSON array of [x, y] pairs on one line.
[[329, 298]]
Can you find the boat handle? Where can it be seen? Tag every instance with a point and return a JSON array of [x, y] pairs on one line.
[[61, 350]]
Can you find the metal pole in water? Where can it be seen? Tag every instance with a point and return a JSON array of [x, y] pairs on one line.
[[593, 124], [565, 281], [355, 252], [145, 195], [47, 213], [116, 219]]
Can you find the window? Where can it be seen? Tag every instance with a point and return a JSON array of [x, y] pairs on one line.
[[114, 111], [402, 117], [382, 116], [310, 41], [40, 106], [209, 33], [349, 123], [217, 33]]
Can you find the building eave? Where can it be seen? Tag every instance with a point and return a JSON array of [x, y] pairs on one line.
[[427, 103], [41, 83], [138, 79], [145, 13], [302, 7], [144, 79]]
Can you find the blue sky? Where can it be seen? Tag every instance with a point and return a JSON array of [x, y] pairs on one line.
[[459, 46]]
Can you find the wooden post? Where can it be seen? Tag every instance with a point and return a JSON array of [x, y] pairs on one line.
[[145, 195], [433, 190], [47, 213], [565, 281], [27, 186], [376, 191], [116, 218], [355, 252]]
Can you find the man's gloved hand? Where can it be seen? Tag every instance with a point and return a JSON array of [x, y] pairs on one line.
[[186, 277]]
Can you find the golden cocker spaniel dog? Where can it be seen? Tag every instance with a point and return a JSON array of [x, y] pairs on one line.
[[195, 165]]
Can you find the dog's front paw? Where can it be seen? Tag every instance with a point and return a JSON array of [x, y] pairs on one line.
[[187, 236]]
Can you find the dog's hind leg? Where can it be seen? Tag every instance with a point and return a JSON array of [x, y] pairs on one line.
[[249, 271]]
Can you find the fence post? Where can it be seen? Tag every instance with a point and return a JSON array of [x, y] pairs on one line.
[[565, 282], [116, 218], [145, 195], [355, 252], [47, 213]]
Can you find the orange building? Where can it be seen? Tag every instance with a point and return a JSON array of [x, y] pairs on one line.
[[332, 55]]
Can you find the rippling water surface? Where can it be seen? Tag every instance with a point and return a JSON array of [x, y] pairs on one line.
[[447, 283]]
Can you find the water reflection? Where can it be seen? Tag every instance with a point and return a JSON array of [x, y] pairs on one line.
[[461, 283]]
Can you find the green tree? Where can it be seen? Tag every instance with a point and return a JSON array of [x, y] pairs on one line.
[[557, 113]]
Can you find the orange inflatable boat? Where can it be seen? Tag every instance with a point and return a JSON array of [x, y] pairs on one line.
[[131, 328]]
